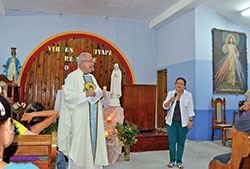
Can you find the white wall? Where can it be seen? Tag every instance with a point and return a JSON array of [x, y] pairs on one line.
[[175, 41], [27, 30], [176, 50]]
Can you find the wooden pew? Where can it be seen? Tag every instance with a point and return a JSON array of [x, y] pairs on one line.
[[240, 151], [38, 145]]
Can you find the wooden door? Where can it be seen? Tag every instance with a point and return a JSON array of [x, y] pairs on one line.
[[161, 96]]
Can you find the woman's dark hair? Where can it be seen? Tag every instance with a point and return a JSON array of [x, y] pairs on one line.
[[181, 78], [5, 110], [34, 107]]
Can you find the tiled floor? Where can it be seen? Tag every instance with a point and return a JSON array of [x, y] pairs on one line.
[[197, 155]]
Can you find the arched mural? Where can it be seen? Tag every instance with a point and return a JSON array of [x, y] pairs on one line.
[[47, 66]]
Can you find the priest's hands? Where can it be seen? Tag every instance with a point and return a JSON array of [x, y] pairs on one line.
[[90, 93]]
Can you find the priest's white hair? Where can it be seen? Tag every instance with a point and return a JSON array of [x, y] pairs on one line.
[[82, 57]]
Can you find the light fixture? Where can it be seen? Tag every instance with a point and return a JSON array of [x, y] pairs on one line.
[[246, 12]]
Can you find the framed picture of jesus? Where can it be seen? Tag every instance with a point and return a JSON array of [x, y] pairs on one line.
[[229, 62]]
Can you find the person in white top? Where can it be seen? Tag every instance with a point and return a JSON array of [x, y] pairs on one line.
[[81, 128], [179, 120]]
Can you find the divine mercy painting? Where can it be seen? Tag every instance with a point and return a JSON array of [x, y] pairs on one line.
[[229, 62]]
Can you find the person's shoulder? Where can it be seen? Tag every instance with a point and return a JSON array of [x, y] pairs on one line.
[[19, 129], [31, 166], [171, 91], [21, 166], [245, 117], [243, 123], [92, 76], [187, 93], [73, 73]]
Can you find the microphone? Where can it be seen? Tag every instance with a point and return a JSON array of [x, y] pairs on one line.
[[175, 94]]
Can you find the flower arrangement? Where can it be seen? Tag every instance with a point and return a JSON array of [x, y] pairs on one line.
[[127, 133], [127, 136], [17, 108]]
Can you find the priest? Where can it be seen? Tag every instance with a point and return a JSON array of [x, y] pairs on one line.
[[81, 129]]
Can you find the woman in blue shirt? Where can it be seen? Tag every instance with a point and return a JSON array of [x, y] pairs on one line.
[[7, 135], [179, 120]]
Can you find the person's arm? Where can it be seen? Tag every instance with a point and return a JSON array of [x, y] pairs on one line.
[[167, 104], [37, 128], [28, 132], [190, 107], [241, 108], [241, 125], [231, 133], [190, 111], [245, 107], [190, 123], [168, 100]]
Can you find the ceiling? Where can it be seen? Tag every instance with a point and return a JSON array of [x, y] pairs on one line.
[[231, 10], [155, 12]]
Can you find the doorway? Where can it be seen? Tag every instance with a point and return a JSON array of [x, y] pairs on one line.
[[161, 96]]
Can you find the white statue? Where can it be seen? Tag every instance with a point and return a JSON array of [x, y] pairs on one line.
[[115, 89]]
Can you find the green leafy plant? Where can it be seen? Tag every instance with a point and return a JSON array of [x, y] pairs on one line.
[[127, 133], [52, 127]]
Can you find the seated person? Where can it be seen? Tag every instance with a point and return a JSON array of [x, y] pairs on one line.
[[20, 129], [242, 125], [35, 120], [247, 94], [7, 135]]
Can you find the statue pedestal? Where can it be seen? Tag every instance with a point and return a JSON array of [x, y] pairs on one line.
[[113, 145], [114, 102]]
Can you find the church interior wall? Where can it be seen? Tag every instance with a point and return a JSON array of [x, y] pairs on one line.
[[26, 30], [183, 46], [205, 21], [200, 22]]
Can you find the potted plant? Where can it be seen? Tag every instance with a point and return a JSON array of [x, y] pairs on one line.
[[127, 136]]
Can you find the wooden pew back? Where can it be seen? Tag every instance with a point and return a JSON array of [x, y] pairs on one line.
[[240, 149], [37, 145]]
